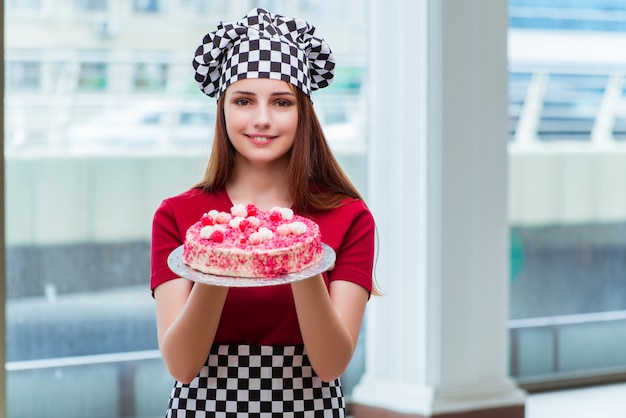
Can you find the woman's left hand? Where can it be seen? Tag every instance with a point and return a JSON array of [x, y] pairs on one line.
[[330, 322]]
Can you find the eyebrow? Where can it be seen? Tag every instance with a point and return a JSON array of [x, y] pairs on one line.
[[278, 93]]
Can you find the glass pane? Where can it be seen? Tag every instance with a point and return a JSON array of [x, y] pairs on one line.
[[147, 6], [567, 196], [91, 5], [150, 76], [28, 5], [99, 128], [571, 104], [205, 6], [518, 87], [558, 15], [23, 75], [619, 126], [92, 76]]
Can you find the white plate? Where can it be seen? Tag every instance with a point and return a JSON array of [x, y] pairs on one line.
[[175, 263]]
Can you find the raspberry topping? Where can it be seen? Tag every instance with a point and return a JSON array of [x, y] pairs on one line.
[[217, 236], [252, 209], [243, 225]]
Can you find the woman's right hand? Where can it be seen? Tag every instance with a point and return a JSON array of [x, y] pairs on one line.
[[187, 315]]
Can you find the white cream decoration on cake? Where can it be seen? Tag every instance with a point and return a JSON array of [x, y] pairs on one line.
[[262, 235], [222, 218], [285, 213], [294, 228], [266, 233], [283, 230], [239, 210], [298, 228], [206, 231], [234, 223], [254, 221]]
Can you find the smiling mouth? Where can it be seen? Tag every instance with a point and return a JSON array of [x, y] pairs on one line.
[[260, 139]]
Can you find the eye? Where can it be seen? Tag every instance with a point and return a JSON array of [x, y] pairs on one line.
[[242, 102], [283, 103]]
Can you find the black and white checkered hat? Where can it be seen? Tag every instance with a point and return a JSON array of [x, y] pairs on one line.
[[262, 45]]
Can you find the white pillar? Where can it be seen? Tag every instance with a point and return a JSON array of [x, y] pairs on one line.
[[437, 342]]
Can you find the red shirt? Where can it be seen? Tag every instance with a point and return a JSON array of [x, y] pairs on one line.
[[265, 315]]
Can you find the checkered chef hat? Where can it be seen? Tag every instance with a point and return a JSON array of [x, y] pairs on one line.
[[262, 45]]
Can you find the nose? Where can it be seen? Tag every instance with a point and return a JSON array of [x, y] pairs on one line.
[[262, 117]]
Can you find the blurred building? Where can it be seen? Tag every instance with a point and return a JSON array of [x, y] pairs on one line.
[[68, 62]]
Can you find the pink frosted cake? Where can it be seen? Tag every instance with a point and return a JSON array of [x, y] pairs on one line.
[[249, 242]]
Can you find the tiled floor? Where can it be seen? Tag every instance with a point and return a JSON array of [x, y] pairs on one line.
[[593, 402]]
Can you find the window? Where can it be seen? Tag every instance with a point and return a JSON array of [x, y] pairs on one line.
[[518, 88], [25, 5], [93, 76], [91, 5], [205, 6], [595, 15], [570, 106], [619, 127], [23, 75], [567, 214], [150, 76], [328, 10], [147, 6], [117, 126]]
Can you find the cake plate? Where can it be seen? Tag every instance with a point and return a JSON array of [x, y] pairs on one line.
[[175, 263]]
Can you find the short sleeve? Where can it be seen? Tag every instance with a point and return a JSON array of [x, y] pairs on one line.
[[352, 234], [166, 237]]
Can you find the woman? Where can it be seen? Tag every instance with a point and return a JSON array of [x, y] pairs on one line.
[[276, 350]]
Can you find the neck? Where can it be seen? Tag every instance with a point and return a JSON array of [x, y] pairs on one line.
[[265, 186]]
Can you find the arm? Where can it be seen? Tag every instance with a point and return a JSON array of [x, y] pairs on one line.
[[187, 319], [330, 318], [330, 322]]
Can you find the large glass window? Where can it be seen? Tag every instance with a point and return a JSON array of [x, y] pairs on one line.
[[150, 76], [567, 194], [98, 130], [92, 76], [571, 103], [28, 5], [147, 6], [23, 75], [91, 5], [566, 15], [204, 6]]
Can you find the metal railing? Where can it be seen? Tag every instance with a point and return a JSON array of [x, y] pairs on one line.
[[555, 324], [123, 401]]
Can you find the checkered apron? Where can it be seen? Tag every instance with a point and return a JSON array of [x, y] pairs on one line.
[[243, 381]]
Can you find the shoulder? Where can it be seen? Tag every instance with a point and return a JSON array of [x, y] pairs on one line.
[[195, 200], [348, 211], [187, 198], [350, 230], [351, 218], [186, 208]]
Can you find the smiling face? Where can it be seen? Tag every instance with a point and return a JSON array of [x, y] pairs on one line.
[[261, 119]]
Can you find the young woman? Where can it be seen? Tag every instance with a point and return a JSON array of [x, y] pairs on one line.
[[276, 350]]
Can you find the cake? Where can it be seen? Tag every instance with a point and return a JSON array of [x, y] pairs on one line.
[[249, 242]]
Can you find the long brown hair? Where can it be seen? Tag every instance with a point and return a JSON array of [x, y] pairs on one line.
[[316, 180]]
